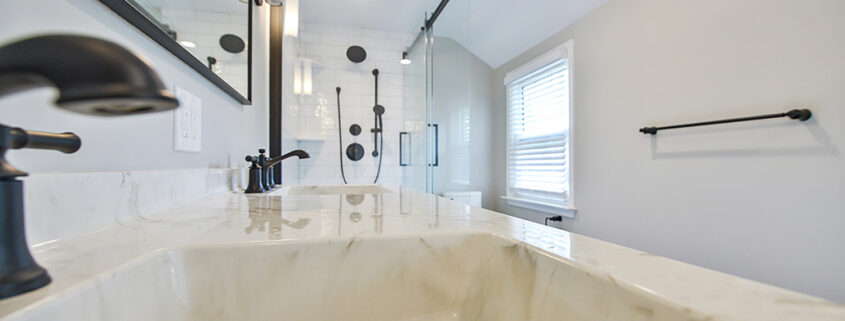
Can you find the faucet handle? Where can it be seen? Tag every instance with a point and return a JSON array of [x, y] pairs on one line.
[[252, 159], [261, 150]]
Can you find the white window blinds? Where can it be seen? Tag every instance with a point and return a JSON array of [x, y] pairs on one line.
[[538, 120]]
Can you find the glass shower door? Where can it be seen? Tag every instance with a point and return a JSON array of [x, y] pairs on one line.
[[450, 109], [436, 145], [413, 139]]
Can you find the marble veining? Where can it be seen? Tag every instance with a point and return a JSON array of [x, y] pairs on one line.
[[403, 255], [59, 205]]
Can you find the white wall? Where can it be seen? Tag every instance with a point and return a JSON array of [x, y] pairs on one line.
[[143, 142], [760, 200], [290, 103], [325, 46]]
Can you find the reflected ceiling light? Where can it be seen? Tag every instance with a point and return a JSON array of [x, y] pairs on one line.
[[405, 60], [187, 44]]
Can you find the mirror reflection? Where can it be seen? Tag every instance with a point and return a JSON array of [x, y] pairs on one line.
[[214, 31]]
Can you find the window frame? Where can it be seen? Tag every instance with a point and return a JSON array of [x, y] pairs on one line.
[[564, 51]]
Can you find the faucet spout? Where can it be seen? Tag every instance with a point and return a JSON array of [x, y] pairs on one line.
[[261, 171], [93, 76], [301, 154]]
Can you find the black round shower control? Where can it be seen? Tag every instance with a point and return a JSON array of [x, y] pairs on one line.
[[355, 151], [356, 54], [355, 130]]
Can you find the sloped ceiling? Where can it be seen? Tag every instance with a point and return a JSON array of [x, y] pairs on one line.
[[494, 30]]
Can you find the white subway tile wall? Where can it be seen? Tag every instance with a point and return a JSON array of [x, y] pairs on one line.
[[324, 48], [204, 28]]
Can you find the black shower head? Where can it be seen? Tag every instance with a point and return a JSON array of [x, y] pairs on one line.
[[232, 43], [356, 54], [93, 76]]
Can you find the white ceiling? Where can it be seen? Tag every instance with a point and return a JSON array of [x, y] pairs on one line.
[[494, 30], [499, 30], [392, 15]]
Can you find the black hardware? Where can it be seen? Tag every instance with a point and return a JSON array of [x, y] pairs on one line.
[[260, 171], [137, 19], [557, 218], [265, 171], [232, 43], [355, 151], [356, 54], [378, 111], [270, 162], [94, 77], [436, 145], [254, 186], [430, 22], [402, 148], [799, 114], [355, 130], [67, 143], [340, 138], [211, 62], [19, 272], [275, 96], [378, 131]]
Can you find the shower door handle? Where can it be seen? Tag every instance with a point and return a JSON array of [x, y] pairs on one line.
[[436, 145], [402, 148]]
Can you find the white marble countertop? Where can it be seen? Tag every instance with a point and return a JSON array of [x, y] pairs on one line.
[[232, 218]]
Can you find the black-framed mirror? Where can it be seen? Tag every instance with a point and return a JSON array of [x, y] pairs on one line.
[[212, 37]]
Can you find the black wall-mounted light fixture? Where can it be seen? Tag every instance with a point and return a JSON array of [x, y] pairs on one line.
[[405, 60]]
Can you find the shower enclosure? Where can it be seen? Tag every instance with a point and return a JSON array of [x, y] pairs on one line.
[[439, 102]]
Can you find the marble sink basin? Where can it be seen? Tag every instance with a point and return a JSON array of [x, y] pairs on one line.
[[454, 276], [331, 190]]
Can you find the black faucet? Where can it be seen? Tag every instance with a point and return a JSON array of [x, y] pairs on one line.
[[94, 77], [261, 170]]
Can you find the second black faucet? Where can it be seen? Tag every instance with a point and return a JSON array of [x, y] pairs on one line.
[[261, 170]]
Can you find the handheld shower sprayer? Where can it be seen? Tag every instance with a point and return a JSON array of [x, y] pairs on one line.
[[378, 130]]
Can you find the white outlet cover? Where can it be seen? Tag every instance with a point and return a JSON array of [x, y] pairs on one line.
[[187, 122]]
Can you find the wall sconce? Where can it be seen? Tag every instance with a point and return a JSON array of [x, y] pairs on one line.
[[302, 81], [405, 60]]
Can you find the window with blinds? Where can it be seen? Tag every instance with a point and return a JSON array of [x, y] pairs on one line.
[[538, 135]]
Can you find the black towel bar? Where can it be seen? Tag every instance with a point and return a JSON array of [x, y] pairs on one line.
[[799, 114]]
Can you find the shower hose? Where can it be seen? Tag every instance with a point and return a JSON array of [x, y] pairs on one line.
[[340, 138]]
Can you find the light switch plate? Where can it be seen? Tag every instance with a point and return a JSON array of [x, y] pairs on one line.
[[187, 122]]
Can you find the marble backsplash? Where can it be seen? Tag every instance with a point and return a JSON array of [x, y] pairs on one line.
[[60, 205]]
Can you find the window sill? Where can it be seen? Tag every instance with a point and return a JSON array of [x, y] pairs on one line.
[[565, 211]]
